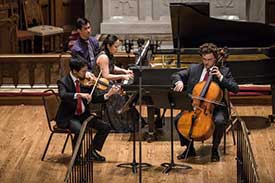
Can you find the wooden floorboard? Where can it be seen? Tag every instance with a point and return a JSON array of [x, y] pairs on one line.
[[24, 133]]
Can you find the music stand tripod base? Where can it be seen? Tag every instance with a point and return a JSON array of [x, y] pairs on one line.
[[172, 100], [170, 166], [134, 166]]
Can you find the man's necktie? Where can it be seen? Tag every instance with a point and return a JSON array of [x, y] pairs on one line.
[[79, 101], [91, 54], [206, 75]]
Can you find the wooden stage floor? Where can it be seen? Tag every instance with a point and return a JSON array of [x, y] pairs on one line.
[[24, 133]]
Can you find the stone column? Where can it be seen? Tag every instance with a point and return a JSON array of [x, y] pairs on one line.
[[93, 12], [256, 10]]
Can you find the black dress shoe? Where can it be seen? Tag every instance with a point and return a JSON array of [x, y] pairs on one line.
[[215, 155], [97, 157], [191, 153]]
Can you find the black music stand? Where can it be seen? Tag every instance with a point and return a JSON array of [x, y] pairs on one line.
[[173, 100], [134, 165]]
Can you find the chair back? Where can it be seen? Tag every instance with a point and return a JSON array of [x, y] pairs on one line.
[[228, 103], [32, 13], [8, 34], [51, 103], [72, 39]]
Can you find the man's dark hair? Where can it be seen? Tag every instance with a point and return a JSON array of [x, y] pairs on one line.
[[207, 48], [76, 64], [80, 22]]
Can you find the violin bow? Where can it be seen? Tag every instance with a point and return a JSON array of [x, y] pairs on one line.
[[96, 81]]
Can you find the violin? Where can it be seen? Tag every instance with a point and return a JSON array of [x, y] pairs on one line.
[[102, 83], [198, 124]]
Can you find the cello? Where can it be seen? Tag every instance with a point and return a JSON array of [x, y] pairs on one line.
[[198, 124]]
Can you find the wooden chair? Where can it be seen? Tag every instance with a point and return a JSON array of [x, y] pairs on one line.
[[24, 35], [51, 103], [8, 35], [10, 10], [72, 39], [230, 121], [35, 23]]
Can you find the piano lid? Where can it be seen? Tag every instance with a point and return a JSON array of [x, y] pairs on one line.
[[193, 28]]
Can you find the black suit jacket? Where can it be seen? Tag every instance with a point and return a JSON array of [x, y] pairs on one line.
[[191, 77], [68, 104]]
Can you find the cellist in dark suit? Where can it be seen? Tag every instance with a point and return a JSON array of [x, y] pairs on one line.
[[197, 73], [74, 108]]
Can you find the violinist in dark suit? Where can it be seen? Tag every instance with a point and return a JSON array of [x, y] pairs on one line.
[[197, 73], [74, 108]]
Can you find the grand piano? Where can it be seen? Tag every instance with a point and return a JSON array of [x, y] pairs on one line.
[[192, 27]]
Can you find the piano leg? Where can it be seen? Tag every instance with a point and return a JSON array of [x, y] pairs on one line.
[[155, 120], [150, 135], [158, 121]]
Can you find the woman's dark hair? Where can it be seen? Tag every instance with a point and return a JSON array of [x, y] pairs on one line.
[[207, 48], [80, 22], [109, 40], [76, 64]]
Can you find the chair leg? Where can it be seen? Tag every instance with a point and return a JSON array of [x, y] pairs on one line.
[[224, 140], [43, 44], [47, 146], [65, 143], [232, 130], [32, 45], [72, 143]]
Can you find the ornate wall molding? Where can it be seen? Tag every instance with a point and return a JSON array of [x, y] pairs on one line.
[[224, 3], [135, 16], [229, 8], [138, 16]]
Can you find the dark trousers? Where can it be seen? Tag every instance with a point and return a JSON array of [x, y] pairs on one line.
[[102, 128], [220, 118]]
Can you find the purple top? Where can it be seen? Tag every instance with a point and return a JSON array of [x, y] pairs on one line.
[[86, 51]]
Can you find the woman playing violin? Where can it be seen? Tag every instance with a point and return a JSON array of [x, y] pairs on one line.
[[200, 72]]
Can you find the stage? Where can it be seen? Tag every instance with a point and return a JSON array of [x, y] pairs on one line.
[[24, 133]]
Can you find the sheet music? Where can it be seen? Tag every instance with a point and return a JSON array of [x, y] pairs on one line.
[[143, 53]]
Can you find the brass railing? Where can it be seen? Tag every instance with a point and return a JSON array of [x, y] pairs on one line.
[[81, 170], [246, 165]]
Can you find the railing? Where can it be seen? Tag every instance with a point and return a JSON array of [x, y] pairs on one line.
[[32, 70], [246, 165], [83, 171]]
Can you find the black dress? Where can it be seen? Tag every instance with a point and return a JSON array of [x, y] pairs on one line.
[[119, 122]]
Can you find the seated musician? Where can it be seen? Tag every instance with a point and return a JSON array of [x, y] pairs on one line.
[[74, 108], [106, 63], [86, 46], [197, 73], [105, 60]]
